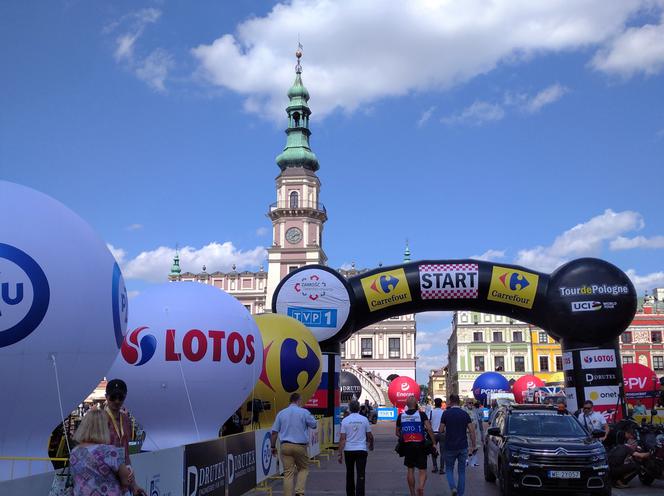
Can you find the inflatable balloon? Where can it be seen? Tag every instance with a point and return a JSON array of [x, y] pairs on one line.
[[400, 389], [523, 384], [191, 355], [641, 383], [489, 382], [292, 363], [63, 307], [351, 387]]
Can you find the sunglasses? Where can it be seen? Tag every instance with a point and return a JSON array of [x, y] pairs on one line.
[[117, 397], [585, 408]]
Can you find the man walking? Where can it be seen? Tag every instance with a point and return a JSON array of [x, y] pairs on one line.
[[291, 427], [455, 423], [412, 425], [119, 425], [439, 438], [355, 435]]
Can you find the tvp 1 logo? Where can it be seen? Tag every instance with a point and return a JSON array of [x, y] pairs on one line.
[[137, 351], [24, 295]]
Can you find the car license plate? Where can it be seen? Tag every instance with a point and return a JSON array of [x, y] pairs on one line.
[[564, 474]]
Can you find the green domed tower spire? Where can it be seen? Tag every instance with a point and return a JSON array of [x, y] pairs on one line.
[[175, 268], [297, 152]]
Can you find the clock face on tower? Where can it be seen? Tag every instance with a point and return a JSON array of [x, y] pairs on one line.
[[293, 235]]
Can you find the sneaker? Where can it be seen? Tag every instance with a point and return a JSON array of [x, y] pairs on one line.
[[442, 471], [454, 492], [434, 470]]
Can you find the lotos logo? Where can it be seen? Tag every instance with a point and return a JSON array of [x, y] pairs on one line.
[[598, 359], [513, 286], [311, 287], [266, 454], [292, 365], [137, 352], [24, 295], [386, 289]]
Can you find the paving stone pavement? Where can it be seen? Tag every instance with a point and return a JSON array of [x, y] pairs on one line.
[[386, 475]]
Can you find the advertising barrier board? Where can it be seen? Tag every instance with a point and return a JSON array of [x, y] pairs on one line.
[[267, 464], [241, 463], [205, 468], [313, 448], [160, 472]]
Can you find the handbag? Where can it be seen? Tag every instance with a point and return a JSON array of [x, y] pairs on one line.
[[63, 484], [399, 448]]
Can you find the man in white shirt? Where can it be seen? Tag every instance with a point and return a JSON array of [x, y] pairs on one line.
[[292, 428], [355, 435], [434, 417], [593, 421]]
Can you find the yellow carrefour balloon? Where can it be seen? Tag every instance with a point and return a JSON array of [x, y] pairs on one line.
[[292, 363]]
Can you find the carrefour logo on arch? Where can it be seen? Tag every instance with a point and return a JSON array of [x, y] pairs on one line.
[[24, 295]]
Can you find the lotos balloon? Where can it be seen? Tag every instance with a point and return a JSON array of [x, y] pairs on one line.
[[291, 364], [63, 306], [350, 385], [489, 382], [191, 355], [641, 383], [400, 389], [523, 384]]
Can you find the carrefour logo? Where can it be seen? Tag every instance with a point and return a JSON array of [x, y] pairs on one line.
[[24, 295], [513, 286], [386, 289], [137, 351]]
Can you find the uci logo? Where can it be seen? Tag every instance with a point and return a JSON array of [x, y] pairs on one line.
[[137, 352], [24, 295]]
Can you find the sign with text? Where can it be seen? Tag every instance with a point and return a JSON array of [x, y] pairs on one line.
[[205, 468], [241, 463]]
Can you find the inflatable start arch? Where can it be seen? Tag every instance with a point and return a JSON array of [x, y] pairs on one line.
[[585, 304]]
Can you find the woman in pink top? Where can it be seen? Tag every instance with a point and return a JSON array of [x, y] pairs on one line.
[[96, 466]]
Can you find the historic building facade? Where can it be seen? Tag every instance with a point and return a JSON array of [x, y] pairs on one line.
[[298, 217], [475, 346], [438, 384], [482, 342]]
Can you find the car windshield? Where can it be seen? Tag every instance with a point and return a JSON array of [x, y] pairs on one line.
[[544, 424]]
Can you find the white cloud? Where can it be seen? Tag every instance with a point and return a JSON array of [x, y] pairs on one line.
[[586, 239], [490, 255], [357, 52], [646, 282], [638, 49], [118, 253], [133, 294], [152, 69], [426, 115], [134, 227], [155, 265], [478, 113], [262, 231], [623, 243], [545, 97]]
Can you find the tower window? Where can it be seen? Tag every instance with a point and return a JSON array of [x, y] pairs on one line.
[[294, 199], [296, 118]]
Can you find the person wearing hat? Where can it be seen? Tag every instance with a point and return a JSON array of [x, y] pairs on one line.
[[119, 425]]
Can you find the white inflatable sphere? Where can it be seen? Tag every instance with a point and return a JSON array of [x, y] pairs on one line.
[[185, 342], [62, 296]]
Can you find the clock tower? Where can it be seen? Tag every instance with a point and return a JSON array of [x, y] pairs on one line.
[[297, 215]]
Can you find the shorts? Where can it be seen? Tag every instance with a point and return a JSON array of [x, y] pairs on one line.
[[415, 457]]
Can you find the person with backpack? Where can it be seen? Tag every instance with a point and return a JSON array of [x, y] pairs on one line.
[[412, 429]]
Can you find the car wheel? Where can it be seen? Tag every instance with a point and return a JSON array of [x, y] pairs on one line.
[[646, 479], [489, 476], [504, 483]]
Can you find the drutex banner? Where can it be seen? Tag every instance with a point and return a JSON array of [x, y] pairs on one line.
[[241, 463], [205, 468]]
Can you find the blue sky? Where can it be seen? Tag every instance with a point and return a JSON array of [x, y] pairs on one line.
[[528, 132]]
